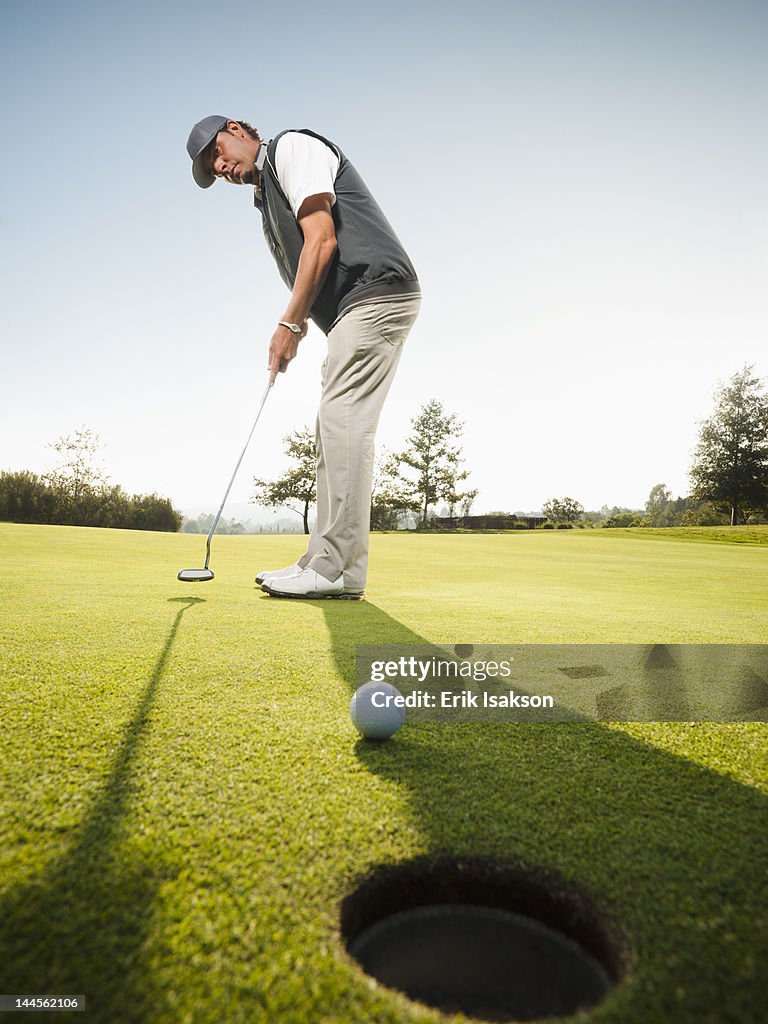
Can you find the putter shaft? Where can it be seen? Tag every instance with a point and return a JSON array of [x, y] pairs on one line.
[[215, 522]]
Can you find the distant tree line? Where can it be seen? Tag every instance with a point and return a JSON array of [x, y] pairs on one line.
[[729, 472], [407, 484], [203, 523], [77, 493]]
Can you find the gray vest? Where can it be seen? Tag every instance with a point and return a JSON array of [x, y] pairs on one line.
[[369, 262]]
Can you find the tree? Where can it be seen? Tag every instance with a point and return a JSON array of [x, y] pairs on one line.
[[730, 467], [467, 500], [204, 522], [391, 496], [622, 520], [77, 479], [26, 498], [153, 512], [704, 515], [660, 507], [435, 458], [295, 490], [77, 493], [563, 510]]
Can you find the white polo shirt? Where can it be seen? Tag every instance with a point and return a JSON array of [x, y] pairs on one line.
[[305, 167]]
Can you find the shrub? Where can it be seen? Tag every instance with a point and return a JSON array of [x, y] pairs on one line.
[[705, 514], [151, 512], [28, 498], [623, 520]]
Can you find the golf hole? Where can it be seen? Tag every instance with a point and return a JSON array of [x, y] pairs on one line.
[[484, 939]]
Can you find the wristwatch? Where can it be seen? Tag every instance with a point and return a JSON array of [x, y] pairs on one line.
[[291, 327]]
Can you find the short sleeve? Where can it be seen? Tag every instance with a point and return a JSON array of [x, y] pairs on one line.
[[305, 167]]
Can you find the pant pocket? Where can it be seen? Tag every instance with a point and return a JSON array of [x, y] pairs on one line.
[[395, 322]]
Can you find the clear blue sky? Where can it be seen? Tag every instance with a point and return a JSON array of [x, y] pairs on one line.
[[581, 185]]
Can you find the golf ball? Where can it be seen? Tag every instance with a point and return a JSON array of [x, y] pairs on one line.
[[374, 712]]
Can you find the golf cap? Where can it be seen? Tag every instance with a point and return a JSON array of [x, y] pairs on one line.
[[200, 138]]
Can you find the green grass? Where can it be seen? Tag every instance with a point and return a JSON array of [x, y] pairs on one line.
[[709, 534], [184, 802]]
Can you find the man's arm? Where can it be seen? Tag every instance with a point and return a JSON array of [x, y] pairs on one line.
[[316, 222]]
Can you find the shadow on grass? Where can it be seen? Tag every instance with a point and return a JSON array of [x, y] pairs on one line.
[[81, 928], [674, 852]]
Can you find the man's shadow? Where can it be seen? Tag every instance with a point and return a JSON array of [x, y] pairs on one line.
[[82, 927], [589, 803]]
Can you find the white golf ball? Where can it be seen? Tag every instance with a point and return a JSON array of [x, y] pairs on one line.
[[374, 712]]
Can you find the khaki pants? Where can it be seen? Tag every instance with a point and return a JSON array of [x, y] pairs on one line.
[[363, 352]]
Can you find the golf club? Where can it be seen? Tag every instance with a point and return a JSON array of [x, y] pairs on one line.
[[205, 574]]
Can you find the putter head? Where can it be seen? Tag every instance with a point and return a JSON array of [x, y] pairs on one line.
[[195, 575]]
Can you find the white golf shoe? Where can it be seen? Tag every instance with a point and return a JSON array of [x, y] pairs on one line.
[[278, 574], [310, 584]]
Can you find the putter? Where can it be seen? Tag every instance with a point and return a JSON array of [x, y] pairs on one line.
[[205, 574]]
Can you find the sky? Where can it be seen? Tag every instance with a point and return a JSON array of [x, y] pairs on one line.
[[581, 185]]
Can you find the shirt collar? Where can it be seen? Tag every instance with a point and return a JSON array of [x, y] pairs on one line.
[[258, 164]]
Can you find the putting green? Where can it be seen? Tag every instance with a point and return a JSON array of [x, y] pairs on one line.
[[184, 801]]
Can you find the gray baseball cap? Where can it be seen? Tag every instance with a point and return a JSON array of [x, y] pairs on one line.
[[200, 138]]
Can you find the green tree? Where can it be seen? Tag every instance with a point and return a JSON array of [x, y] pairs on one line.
[[26, 498], [391, 496], [466, 501], [77, 493], [563, 510], [435, 459], [704, 514], [607, 516], [153, 512], [730, 463], [622, 520], [295, 489], [77, 480], [660, 507]]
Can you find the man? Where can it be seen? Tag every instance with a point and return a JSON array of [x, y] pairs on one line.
[[350, 275]]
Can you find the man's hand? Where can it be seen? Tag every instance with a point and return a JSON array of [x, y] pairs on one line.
[[282, 349]]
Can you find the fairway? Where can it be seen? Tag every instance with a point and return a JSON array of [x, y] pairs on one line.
[[184, 801]]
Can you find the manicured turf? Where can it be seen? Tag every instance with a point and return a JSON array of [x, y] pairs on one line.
[[185, 803], [708, 534]]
